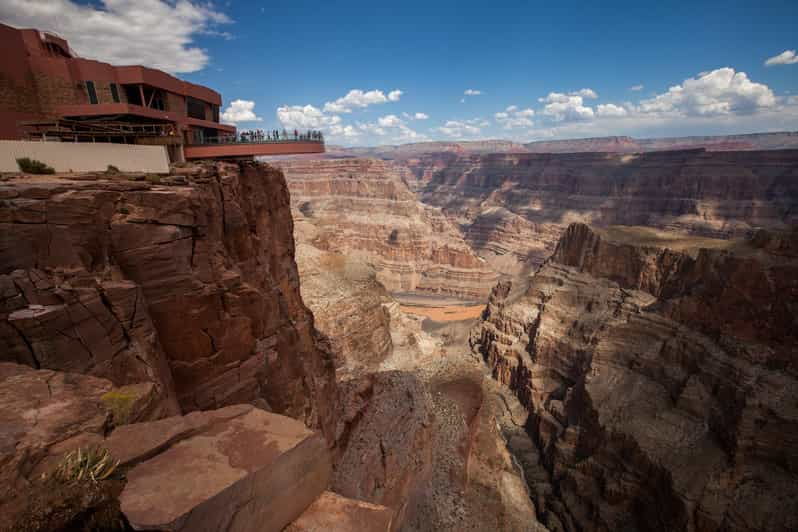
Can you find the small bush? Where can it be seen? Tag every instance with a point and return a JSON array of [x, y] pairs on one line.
[[89, 464], [152, 178], [124, 210], [112, 170], [32, 166]]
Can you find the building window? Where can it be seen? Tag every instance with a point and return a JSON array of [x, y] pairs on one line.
[[115, 92], [92, 92], [133, 94], [215, 111], [195, 108]]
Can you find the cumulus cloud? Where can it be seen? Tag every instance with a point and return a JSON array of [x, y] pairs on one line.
[[393, 128], [585, 93], [719, 92], [567, 107], [389, 121], [636, 88], [155, 33], [472, 92], [455, 128], [787, 57], [305, 117], [610, 109], [240, 111], [358, 99], [347, 132], [513, 117], [420, 116]]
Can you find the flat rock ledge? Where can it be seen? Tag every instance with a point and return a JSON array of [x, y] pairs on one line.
[[335, 513], [234, 469]]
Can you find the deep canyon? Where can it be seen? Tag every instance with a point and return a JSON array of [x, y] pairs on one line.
[[290, 344]]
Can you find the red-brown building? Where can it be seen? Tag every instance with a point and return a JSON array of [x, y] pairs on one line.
[[47, 92]]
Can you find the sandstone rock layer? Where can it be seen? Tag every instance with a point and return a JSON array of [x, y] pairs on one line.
[[661, 383], [365, 208]]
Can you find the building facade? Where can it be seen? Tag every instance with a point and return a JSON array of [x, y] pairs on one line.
[[48, 93]]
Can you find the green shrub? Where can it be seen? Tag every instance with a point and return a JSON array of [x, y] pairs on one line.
[[32, 166], [124, 210], [152, 178]]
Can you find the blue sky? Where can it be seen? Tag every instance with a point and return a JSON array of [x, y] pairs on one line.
[[542, 69]]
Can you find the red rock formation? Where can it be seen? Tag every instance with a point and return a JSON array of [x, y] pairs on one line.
[[363, 208], [661, 383], [190, 284], [714, 194]]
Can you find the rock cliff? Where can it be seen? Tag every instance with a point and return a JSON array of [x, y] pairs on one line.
[[365, 209], [660, 379], [512, 208], [187, 282]]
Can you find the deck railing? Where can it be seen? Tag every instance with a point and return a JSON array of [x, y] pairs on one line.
[[262, 138]]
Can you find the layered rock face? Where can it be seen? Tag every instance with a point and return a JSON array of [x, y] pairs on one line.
[[349, 306], [661, 383], [189, 284], [365, 209], [512, 208]]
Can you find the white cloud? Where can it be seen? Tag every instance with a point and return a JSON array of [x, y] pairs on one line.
[[472, 92], [455, 128], [636, 88], [566, 107], [393, 128], [420, 116], [585, 93], [347, 132], [304, 117], [358, 99], [153, 33], [240, 111], [610, 109], [512, 117], [787, 57], [719, 92], [389, 121]]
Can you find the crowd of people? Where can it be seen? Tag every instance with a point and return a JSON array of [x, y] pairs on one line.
[[259, 135]]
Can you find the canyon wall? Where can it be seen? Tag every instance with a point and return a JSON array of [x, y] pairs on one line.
[[187, 282], [365, 209], [661, 383], [512, 208]]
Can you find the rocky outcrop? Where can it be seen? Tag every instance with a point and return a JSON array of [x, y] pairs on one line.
[[363, 208], [349, 307], [711, 194], [186, 282], [333, 513], [234, 469], [384, 453], [661, 383]]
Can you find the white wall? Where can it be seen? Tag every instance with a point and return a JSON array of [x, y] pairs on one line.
[[85, 156]]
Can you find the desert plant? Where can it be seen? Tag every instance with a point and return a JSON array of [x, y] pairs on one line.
[[152, 178], [32, 166], [89, 464], [111, 170], [124, 210]]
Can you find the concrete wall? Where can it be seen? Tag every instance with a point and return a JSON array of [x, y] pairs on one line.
[[85, 156]]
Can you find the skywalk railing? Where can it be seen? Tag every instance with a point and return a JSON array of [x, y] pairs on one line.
[[261, 138]]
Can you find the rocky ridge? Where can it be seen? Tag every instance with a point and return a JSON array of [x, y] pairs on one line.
[[365, 209], [660, 383], [512, 208]]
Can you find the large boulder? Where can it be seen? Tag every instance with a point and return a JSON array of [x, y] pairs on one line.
[[235, 469]]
